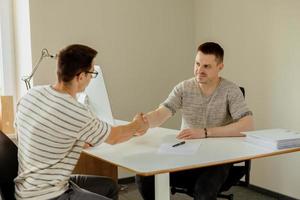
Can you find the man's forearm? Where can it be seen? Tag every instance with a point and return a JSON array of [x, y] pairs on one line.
[[154, 119], [121, 133], [233, 129], [158, 117]]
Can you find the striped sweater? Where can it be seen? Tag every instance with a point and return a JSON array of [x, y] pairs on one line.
[[52, 129]]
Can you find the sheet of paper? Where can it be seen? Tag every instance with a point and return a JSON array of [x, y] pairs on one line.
[[185, 149]]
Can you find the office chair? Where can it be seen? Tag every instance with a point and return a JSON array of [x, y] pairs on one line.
[[8, 167], [236, 173]]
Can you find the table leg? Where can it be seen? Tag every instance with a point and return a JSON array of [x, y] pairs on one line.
[[162, 186]]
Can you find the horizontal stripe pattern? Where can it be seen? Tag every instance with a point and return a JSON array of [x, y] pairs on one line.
[[52, 129]]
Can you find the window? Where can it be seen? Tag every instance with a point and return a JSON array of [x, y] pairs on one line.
[[1, 64], [7, 61]]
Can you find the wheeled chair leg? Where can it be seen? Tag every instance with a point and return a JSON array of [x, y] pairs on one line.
[[226, 196]]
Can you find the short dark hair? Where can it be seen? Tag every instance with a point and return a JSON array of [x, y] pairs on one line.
[[213, 49], [74, 59]]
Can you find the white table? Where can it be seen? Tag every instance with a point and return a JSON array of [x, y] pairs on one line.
[[140, 155]]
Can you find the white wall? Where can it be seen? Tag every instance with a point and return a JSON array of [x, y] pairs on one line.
[[262, 51], [147, 47]]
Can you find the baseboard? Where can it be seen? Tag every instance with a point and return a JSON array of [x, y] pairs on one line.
[[270, 193], [126, 180]]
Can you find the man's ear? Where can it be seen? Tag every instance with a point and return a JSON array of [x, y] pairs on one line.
[[80, 76], [221, 66]]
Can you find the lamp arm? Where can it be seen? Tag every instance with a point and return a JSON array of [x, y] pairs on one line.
[[27, 79]]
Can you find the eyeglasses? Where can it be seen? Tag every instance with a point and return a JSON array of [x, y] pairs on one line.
[[94, 73]]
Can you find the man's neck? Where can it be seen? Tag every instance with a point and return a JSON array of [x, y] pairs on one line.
[[208, 88], [65, 88]]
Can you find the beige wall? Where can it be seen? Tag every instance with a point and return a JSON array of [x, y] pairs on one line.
[[147, 47], [144, 46], [262, 51]]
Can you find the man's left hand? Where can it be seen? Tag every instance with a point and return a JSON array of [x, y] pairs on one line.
[[191, 133]]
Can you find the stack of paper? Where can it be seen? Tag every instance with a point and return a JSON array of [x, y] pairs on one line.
[[274, 138]]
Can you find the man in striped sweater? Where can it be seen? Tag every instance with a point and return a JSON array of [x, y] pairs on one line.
[[53, 128]]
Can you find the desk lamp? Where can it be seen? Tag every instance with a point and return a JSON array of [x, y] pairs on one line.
[[44, 54]]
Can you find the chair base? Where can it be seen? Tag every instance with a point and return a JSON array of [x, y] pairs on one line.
[[226, 196]]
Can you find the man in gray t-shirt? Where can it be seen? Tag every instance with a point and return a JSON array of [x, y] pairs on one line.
[[211, 106]]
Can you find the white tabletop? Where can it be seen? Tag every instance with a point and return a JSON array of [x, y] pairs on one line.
[[140, 154]]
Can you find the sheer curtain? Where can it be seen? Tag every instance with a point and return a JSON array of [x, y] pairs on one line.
[[1, 64], [7, 59]]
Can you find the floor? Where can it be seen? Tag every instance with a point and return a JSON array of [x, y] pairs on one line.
[[240, 193], [130, 192]]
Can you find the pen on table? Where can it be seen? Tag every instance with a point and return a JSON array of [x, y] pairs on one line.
[[180, 143]]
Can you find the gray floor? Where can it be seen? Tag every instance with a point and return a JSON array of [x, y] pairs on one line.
[[240, 193]]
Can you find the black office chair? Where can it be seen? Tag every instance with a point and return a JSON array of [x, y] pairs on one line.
[[236, 173], [8, 167]]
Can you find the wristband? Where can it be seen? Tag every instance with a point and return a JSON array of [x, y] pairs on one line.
[[205, 132]]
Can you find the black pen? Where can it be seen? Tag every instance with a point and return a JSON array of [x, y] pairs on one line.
[[180, 143]]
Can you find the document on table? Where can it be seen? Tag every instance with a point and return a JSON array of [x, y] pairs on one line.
[[274, 138], [185, 149]]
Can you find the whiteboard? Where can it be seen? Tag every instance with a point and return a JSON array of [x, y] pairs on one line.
[[96, 97]]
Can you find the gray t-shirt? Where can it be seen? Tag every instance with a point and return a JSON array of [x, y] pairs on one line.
[[223, 107]]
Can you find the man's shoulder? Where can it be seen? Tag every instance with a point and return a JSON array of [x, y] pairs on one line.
[[188, 82], [229, 88], [228, 84], [38, 88], [49, 95], [186, 85]]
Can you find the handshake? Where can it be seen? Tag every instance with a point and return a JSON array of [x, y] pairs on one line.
[[140, 123]]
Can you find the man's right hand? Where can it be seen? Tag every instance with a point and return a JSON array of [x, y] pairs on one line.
[[142, 124]]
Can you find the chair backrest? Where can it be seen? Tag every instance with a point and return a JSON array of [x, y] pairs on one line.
[[243, 90], [8, 166]]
